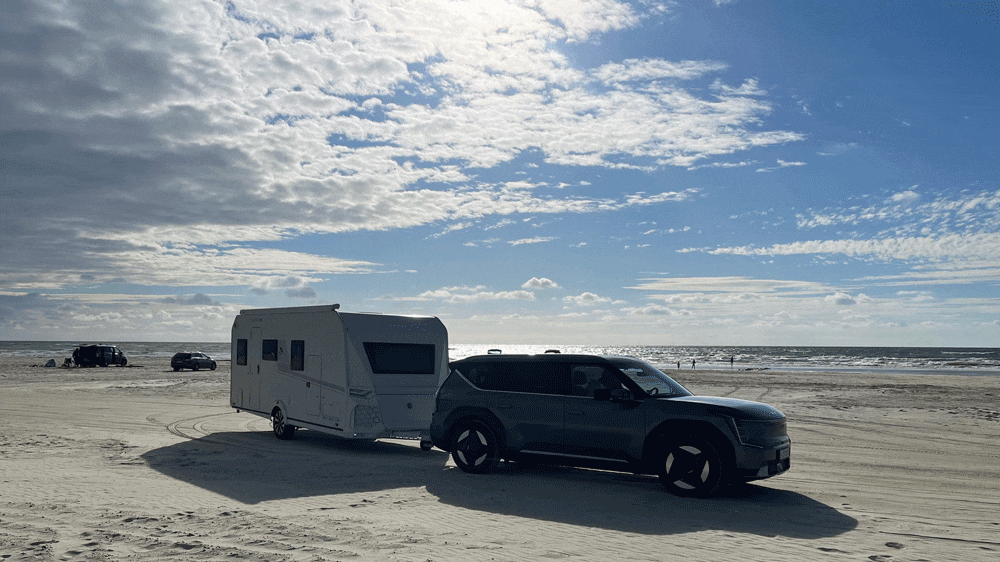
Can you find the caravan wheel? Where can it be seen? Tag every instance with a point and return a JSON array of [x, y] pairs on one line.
[[282, 430]]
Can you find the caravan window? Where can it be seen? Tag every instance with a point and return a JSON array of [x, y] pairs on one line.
[[269, 350], [241, 352], [400, 358], [298, 355]]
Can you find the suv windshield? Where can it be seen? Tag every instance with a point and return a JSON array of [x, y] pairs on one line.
[[649, 377]]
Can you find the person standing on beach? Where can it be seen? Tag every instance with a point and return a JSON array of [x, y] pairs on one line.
[[731, 359], [692, 363]]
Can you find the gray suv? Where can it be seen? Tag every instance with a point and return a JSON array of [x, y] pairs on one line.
[[614, 413], [191, 360]]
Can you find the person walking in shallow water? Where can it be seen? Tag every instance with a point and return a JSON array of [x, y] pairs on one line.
[[692, 363]]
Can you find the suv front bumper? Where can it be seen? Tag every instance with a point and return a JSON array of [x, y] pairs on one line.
[[764, 463]]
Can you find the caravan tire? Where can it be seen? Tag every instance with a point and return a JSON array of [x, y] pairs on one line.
[[476, 448], [282, 430]]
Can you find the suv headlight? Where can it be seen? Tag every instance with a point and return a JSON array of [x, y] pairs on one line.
[[761, 433]]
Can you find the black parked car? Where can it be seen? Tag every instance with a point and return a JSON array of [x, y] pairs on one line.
[[614, 413], [191, 360], [98, 356]]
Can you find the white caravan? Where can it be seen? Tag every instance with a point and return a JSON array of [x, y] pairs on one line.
[[357, 375]]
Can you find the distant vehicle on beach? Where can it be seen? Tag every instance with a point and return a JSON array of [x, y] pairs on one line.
[[193, 360], [612, 413], [98, 356]]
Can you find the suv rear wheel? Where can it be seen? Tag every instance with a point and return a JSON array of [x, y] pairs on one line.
[[691, 466], [475, 448]]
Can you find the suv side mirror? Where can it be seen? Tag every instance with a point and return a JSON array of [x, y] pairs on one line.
[[614, 395]]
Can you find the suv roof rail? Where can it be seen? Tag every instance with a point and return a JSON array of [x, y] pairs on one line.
[[494, 352], [552, 351]]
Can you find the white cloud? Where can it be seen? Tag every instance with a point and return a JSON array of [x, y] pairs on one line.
[[907, 197], [781, 164], [586, 299], [468, 295], [540, 283], [199, 299], [697, 287], [971, 246], [292, 285], [838, 149], [655, 69], [747, 88], [840, 299], [500, 224], [534, 240], [215, 124], [649, 310]]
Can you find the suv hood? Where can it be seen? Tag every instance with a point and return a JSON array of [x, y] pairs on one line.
[[744, 409]]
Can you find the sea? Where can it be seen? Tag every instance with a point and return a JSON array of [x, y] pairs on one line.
[[902, 360]]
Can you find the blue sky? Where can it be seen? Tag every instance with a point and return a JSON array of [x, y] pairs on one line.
[[539, 172]]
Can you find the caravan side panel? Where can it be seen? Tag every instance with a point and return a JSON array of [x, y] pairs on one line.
[[293, 360]]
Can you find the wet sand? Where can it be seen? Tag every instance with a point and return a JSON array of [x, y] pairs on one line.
[[144, 463]]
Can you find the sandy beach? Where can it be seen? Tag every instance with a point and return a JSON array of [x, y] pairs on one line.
[[141, 463]]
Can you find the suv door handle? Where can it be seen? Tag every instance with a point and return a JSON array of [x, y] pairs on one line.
[[575, 412], [505, 406]]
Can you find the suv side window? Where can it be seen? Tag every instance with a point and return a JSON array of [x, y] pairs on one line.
[[588, 378], [530, 376]]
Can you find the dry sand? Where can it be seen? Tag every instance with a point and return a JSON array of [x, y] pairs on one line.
[[144, 463]]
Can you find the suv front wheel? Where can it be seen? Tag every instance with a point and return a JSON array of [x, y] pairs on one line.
[[476, 448], [690, 465]]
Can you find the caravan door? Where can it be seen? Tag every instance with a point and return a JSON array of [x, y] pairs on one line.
[[253, 358], [314, 374], [240, 374]]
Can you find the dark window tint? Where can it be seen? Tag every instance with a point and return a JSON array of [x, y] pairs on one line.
[[298, 355], [588, 378], [530, 376], [269, 350], [241, 352], [401, 358]]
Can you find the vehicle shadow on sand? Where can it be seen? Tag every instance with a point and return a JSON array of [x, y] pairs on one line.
[[637, 503], [253, 467]]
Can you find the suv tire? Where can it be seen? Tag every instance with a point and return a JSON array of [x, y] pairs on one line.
[[691, 466], [475, 448]]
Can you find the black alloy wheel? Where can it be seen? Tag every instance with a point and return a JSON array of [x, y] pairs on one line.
[[475, 448], [691, 466]]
